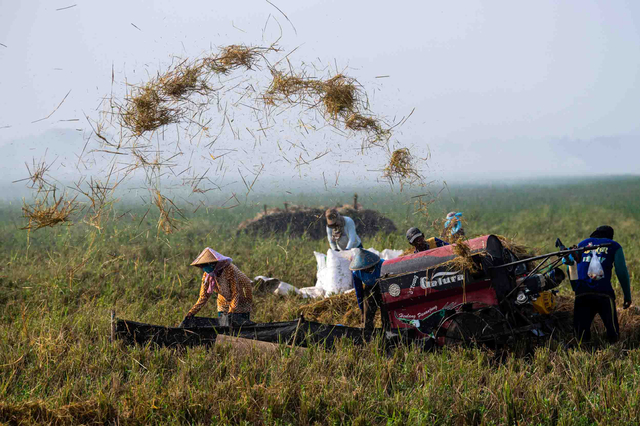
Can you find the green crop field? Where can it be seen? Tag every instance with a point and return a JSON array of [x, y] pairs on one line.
[[58, 285]]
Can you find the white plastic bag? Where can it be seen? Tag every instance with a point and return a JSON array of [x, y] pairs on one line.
[[321, 260], [388, 254], [284, 289], [337, 276], [595, 271], [312, 292]]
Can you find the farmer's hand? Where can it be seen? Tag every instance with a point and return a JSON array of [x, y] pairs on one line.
[[626, 304], [186, 321], [576, 255]]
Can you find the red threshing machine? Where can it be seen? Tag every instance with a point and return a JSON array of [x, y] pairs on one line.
[[427, 296]]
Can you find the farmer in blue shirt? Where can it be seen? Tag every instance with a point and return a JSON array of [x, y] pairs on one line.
[[365, 268], [596, 296]]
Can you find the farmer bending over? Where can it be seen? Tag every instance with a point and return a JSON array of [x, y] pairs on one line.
[[341, 231], [595, 295], [365, 267], [232, 286], [416, 239]]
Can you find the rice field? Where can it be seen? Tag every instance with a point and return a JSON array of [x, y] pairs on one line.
[[57, 286]]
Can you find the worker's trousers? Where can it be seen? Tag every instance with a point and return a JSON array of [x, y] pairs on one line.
[[372, 301], [586, 307]]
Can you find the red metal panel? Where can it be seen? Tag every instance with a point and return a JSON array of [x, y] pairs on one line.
[[476, 244]]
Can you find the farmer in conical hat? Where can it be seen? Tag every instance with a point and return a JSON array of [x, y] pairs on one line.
[[341, 231], [365, 268], [232, 286]]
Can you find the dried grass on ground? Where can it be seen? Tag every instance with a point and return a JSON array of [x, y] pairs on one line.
[[339, 309]]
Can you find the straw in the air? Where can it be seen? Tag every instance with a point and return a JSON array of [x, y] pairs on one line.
[[42, 214]]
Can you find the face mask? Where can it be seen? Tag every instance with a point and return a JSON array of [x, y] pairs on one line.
[[208, 268]]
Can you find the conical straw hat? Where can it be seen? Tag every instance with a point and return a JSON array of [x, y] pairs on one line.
[[204, 258]]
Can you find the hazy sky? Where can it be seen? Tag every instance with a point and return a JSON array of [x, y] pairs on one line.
[[504, 88]]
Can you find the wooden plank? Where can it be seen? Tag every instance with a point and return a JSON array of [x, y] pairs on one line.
[[246, 346]]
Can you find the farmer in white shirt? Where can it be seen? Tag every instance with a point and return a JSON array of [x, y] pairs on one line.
[[341, 231]]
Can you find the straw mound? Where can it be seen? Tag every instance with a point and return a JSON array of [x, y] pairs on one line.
[[339, 309], [297, 221]]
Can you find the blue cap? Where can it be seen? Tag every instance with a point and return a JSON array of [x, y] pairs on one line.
[[363, 259]]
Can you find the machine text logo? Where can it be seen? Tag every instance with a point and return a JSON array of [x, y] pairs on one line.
[[441, 278]]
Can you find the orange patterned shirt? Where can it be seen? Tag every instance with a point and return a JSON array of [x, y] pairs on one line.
[[234, 292]]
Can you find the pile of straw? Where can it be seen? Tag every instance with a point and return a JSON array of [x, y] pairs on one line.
[[339, 309]]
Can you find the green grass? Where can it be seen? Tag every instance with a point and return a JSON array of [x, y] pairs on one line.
[[57, 366]]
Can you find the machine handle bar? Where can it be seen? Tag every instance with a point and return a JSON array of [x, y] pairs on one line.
[[548, 255]]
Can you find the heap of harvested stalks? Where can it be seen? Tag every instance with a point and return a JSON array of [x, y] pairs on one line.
[[464, 258], [339, 309], [43, 215]]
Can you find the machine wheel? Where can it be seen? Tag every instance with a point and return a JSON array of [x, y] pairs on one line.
[[486, 326], [461, 329]]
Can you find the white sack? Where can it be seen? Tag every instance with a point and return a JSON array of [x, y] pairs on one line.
[[387, 254], [284, 289], [336, 277], [312, 292]]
